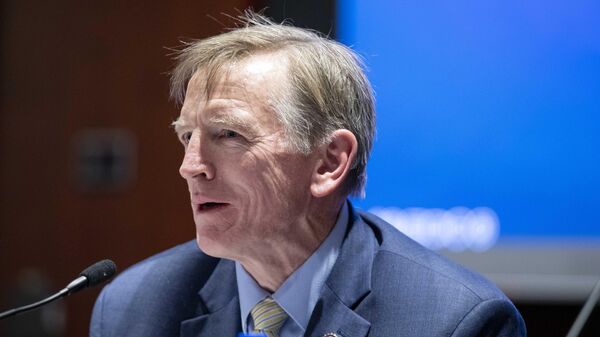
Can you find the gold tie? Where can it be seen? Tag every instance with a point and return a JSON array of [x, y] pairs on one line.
[[268, 317]]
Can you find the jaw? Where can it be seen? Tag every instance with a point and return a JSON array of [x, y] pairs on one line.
[[275, 260]]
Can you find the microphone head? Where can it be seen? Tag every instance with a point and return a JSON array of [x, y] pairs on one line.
[[99, 272]]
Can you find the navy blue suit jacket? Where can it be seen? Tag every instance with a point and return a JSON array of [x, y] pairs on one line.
[[383, 284]]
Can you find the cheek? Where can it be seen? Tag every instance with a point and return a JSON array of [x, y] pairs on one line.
[[260, 188], [268, 174], [283, 180]]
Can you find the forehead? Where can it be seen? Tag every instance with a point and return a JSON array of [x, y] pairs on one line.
[[256, 79]]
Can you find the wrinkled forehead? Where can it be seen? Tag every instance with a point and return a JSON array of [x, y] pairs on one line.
[[250, 89]]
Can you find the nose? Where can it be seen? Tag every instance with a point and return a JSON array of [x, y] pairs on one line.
[[195, 164]]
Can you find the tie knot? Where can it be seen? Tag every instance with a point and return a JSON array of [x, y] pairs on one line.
[[268, 317]]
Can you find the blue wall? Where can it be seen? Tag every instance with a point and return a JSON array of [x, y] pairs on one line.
[[490, 104]]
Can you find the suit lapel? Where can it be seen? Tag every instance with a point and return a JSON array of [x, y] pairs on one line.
[[220, 312], [347, 286], [332, 315]]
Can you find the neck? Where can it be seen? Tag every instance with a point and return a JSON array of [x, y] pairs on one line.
[[287, 252]]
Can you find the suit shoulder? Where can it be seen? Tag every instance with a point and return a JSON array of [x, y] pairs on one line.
[[396, 249], [153, 296], [413, 287], [179, 261]]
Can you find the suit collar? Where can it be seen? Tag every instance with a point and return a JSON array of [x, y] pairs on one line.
[[350, 278], [347, 286], [219, 309], [220, 287], [345, 289]]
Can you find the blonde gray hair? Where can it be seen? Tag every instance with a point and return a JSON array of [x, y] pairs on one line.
[[329, 89]]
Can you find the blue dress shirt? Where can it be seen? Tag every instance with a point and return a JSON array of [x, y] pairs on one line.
[[299, 293]]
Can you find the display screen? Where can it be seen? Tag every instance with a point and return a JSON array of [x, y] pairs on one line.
[[488, 118]]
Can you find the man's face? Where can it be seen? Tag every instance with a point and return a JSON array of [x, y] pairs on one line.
[[248, 188]]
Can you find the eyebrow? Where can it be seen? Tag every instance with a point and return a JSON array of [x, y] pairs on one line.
[[178, 124], [223, 120], [234, 122]]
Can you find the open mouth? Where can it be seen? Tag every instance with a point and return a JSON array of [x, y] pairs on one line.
[[210, 206]]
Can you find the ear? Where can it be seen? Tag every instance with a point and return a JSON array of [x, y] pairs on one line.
[[335, 161]]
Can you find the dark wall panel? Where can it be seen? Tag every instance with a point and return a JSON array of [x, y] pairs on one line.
[[76, 72]]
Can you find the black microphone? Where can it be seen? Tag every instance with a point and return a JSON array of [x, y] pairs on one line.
[[91, 276]]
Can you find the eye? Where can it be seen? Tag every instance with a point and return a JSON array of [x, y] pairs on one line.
[[185, 137], [229, 134]]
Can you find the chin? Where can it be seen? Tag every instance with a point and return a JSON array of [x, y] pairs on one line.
[[212, 246]]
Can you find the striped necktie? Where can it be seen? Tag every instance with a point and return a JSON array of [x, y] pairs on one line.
[[268, 317]]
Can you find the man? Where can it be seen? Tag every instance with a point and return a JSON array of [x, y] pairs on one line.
[[277, 125]]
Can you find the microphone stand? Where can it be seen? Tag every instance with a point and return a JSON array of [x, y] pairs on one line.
[[91, 276], [585, 311], [28, 307]]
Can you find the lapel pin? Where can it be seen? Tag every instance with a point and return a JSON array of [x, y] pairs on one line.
[[331, 334]]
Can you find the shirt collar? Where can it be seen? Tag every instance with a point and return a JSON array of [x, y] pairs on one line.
[[299, 293]]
